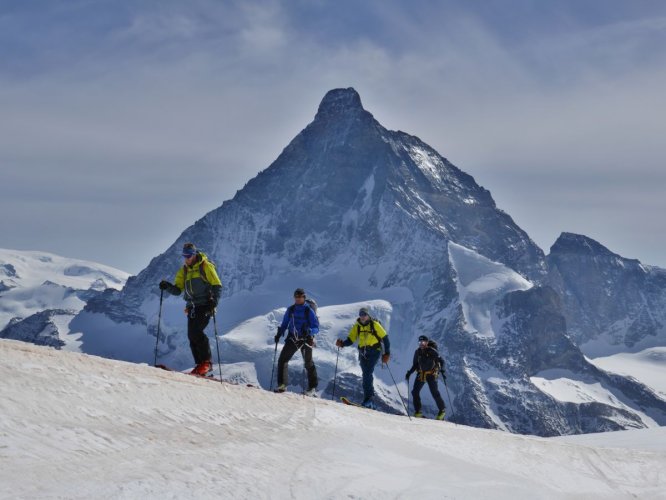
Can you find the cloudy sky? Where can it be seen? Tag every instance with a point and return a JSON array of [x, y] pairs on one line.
[[123, 122]]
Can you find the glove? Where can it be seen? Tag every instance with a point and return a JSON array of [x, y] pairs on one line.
[[165, 285], [339, 343], [309, 340], [408, 374], [385, 358], [443, 375], [215, 296], [278, 335]]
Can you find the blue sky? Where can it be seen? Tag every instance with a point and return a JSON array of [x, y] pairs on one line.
[[123, 122]]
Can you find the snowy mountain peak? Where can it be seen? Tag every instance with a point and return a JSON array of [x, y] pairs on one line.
[[338, 102], [570, 243]]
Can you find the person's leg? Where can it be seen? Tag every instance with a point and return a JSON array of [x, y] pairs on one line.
[[310, 367], [368, 359], [434, 390], [197, 321], [416, 394], [286, 354]]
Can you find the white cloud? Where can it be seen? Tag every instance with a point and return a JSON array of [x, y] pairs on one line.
[[216, 90]]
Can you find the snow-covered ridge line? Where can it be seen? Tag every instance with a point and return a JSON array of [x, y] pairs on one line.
[[78, 426]]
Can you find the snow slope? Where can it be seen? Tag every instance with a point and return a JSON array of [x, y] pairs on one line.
[[648, 366], [78, 426]]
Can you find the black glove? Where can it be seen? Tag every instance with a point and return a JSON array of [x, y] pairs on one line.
[[278, 335], [443, 375], [408, 374], [309, 340], [165, 285], [216, 291]]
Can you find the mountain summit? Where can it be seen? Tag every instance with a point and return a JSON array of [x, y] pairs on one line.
[[360, 215], [340, 102]]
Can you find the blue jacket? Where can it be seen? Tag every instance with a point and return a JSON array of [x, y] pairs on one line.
[[299, 321]]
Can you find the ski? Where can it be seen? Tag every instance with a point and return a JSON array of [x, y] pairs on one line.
[[207, 377], [350, 403]]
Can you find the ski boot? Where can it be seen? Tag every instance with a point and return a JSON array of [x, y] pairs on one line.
[[369, 403], [440, 415], [280, 388], [202, 369], [418, 414]]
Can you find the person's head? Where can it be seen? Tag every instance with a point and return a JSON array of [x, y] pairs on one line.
[[423, 341], [363, 315], [299, 296], [189, 253]]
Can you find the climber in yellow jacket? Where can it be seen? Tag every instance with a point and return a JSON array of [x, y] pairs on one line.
[[371, 338], [199, 282]]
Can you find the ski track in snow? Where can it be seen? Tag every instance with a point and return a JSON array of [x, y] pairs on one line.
[[78, 426]]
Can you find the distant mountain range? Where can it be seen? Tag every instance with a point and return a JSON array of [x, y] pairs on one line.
[[40, 293], [361, 215]]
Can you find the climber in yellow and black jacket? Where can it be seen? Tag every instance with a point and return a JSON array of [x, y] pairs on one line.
[[428, 364], [199, 282], [371, 338]]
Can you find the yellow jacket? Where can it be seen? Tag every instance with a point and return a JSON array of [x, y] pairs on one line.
[[199, 281], [364, 335]]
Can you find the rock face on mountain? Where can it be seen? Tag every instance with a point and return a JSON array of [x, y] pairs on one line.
[[40, 328], [356, 213], [612, 304]]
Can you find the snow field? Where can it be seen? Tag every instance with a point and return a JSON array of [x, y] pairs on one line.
[[78, 426]]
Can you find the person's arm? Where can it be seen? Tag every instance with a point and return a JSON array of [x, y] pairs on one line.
[[174, 289], [414, 365], [351, 337], [281, 329], [179, 282], [313, 322]]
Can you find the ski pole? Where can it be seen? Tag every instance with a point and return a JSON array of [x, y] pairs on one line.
[[336, 373], [159, 320], [448, 396], [407, 393], [217, 342], [273, 369], [396, 388]]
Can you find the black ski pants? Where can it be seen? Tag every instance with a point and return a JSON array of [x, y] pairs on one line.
[[197, 321], [434, 390], [291, 345]]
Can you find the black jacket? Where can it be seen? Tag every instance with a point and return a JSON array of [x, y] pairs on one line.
[[426, 360]]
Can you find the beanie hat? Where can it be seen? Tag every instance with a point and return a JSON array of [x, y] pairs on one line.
[[363, 311], [423, 338], [299, 292]]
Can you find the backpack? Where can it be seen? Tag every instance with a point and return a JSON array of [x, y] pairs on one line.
[[313, 306], [433, 345]]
